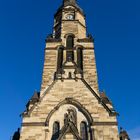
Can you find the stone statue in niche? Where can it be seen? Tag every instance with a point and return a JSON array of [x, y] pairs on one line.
[[70, 116]]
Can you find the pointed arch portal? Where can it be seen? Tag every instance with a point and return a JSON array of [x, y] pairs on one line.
[[76, 104]]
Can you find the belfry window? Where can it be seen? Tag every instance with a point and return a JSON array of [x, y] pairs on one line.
[[69, 48], [83, 131], [60, 60], [56, 128], [80, 58]]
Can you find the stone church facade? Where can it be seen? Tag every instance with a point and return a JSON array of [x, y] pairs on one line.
[[69, 105]]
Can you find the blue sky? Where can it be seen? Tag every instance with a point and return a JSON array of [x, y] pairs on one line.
[[24, 25]]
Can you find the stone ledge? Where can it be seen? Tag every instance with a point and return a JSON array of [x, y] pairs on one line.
[[105, 123], [34, 124]]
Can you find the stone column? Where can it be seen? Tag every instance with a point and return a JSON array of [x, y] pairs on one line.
[[46, 133], [92, 135], [89, 134]]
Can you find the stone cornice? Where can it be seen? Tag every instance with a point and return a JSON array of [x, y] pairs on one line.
[[52, 40], [85, 40], [33, 124], [104, 123], [55, 48], [28, 124]]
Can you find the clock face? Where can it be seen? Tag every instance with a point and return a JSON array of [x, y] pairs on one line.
[[70, 17]]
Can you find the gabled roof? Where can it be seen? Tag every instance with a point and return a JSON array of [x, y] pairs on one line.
[[110, 111], [69, 128]]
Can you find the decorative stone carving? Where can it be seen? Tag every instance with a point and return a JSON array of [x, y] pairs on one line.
[[70, 116]]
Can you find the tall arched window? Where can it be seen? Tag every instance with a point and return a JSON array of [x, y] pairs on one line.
[[69, 47], [80, 58], [55, 133], [60, 59], [83, 131]]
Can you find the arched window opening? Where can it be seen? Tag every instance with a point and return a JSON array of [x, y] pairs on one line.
[[83, 131], [80, 58], [60, 60], [56, 129], [69, 47]]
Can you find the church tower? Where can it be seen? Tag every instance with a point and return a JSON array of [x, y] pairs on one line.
[[69, 105]]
